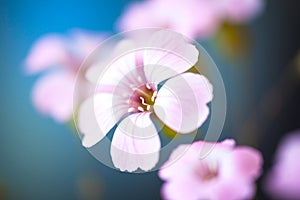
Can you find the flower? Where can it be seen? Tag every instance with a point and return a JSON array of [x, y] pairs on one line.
[[189, 17], [239, 11], [226, 172], [283, 179], [193, 18], [53, 93], [129, 92]]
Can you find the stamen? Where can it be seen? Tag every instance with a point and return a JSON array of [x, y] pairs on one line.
[[131, 109], [141, 109], [143, 101], [154, 95]]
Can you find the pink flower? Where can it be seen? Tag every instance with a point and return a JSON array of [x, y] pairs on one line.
[[128, 94], [193, 18], [283, 180], [53, 93], [239, 11], [227, 172]]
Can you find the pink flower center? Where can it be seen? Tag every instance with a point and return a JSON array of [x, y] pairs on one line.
[[207, 171], [143, 98]]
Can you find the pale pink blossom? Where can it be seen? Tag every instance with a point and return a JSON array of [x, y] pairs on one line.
[[239, 11], [60, 57], [226, 172], [283, 180], [128, 95], [193, 18]]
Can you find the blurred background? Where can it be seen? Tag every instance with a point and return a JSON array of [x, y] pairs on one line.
[[41, 159]]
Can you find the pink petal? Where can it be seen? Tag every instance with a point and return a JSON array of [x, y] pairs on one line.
[[181, 102], [86, 41], [97, 115], [289, 148], [177, 159], [185, 189], [138, 15], [245, 162], [192, 189], [118, 71], [185, 158], [229, 142], [184, 174], [193, 18], [233, 189], [53, 95], [283, 179], [171, 55], [121, 65], [207, 19], [242, 10], [135, 143], [88, 124], [47, 52]]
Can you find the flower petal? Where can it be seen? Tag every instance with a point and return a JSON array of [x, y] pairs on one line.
[[47, 52], [138, 15], [53, 95], [172, 54], [177, 161], [226, 183], [239, 11], [194, 18], [233, 189], [181, 102], [111, 69], [85, 41], [97, 115], [185, 189], [282, 181], [136, 143], [245, 162], [124, 69]]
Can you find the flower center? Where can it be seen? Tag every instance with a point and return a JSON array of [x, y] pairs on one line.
[[143, 98], [207, 171]]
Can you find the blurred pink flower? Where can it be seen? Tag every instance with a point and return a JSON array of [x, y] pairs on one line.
[[129, 88], [227, 172], [193, 18], [61, 56], [239, 11], [283, 181]]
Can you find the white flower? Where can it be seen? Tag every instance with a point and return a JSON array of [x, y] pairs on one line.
[[128, 94]]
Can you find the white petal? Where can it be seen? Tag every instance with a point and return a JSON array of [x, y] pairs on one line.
[[181, 102], [111, 69], [135, 144], [170, 55], [97, 115]]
